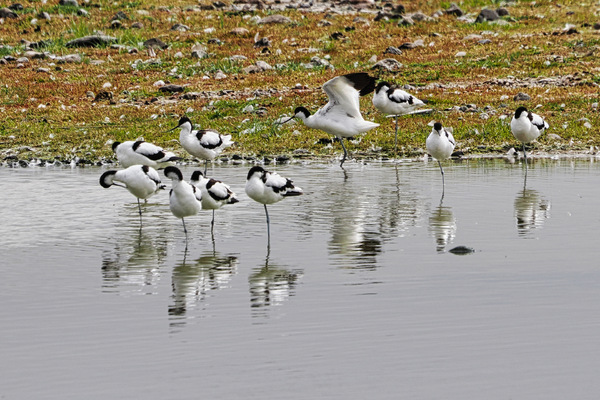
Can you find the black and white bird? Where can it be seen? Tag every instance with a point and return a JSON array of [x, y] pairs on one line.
[[526, 127], [206, 144], [215, 194], [141, 181], [440, 144], [391, 100], [267, 188], [184, 199], [143, 153], [341, 116]]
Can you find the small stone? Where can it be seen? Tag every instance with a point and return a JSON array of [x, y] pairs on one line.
[[180, 28], [90, 94], [34, 55], [69, 58], [461, 54], [155, 43], [454, 9], [554, 136], [171, 89], [597, 26], [107, 85], [199, 51], [219, 75], [8, 13], [521, 97], [388, 64], [487, 15], [16, 7], [22, 60], [116, 24], [83, 13], [43, 70], [216, 41], [239, 31], [502, 12], [587, 125], [45, 16], [137, 25], [92, 41], [392, 50], [406, 21], [120, 16], [103, 95], [263, 65], [72, 3], [178, 55], [275, 19]]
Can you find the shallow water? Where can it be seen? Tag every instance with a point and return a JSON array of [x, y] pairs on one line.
[[358, 297]]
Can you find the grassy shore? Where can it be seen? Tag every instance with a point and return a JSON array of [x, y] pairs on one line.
[[49, 108]]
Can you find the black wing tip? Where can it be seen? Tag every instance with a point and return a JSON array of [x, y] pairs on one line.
[[362, 81]]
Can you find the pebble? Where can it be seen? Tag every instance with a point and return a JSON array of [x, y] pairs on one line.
[[274, 19], [521, 97], [454, 9], [389, 64], [199, 51], [171, 88], [392, 50], [487, 15], [461, 54]]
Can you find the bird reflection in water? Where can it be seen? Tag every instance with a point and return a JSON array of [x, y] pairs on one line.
[[531, 211], [193, 281], [360, 227], [442, 226], [271, 285], [135, 261]]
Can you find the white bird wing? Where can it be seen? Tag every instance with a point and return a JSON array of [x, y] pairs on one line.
[[152, 174], [399, 96], [275, 181], [342, 94], [209, 139], [149, 150], [450, 137], [538, 121], [218, 190]]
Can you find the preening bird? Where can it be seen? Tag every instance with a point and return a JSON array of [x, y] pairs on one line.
[[141, 181], [215, 194], [440, 144], [184, 199], [143, 153], [341, 116], [526, 127], [267, 188], [391, 100], [206, 144]]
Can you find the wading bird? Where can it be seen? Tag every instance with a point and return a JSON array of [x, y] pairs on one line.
[[184, 199], [141, 181], [341, 116], [526, 127], [267, 188], [206, 144], [391, 100], [215, 194], [142, 153], [440, 144]]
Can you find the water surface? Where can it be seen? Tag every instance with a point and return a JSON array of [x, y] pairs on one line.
[[358, 296]]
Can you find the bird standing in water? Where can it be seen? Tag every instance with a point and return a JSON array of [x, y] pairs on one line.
[[391, 100], [440, 144], [141, 181], [184, 199], [205, 144], [215, 194], [341, 116], [267, 188], [526, 127]]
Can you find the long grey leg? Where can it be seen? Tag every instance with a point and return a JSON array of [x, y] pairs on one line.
[[345, 152]]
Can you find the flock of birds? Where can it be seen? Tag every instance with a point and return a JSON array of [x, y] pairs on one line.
[[340, 117]]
